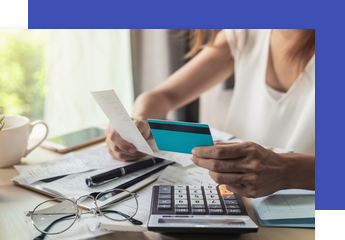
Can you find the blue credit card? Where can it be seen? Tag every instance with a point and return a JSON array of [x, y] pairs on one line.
[[180, 136]]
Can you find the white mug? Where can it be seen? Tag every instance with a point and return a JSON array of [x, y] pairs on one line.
[[14, 138]]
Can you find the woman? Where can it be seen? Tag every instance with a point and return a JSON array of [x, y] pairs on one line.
[[273, 104]]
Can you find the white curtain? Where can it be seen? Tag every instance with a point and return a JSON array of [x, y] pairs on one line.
[[157, 53], [80, 61]]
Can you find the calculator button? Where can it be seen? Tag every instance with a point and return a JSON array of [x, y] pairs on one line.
[[181, 197], [163, 201], [195, 197], [232, 202], [197, 202], [181, 201], [164, 196], [226, 197], [164, 207], [180, 191], [232, 206], [194, 187], [214, 202], [195, 192], [198, 206], [214, 206], [181, 211], [181, 206], [215, 211], [226, 192], [233, 211], [209, 187], [222, 187], [198, 211], [210, 197], [180, 187], [211, 192], [164, 189]]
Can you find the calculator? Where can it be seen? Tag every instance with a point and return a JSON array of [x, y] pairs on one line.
[[195, 208]]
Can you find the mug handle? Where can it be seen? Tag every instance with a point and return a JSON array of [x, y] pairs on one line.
[[45, 136]]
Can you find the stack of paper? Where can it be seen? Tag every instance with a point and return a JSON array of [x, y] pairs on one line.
[[83, 161], [286, 208], [177, 175], [92, 226]]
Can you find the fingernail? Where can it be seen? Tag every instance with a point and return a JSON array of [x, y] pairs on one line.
[[132, 150], [193, 151], [191, 157]]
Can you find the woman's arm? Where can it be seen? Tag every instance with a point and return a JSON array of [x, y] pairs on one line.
[[212, 65]]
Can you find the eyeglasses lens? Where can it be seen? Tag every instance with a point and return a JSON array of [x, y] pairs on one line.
[[53, 218], [117, 204]]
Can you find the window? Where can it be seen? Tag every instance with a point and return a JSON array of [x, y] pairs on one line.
[[23, 72], [47, 74]]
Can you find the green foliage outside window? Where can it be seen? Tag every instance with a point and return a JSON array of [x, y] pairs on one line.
[[23, 72]]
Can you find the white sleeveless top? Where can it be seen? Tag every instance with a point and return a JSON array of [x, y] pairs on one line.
[[262, 114]]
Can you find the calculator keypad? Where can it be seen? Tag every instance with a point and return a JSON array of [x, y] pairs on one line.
[[163, 201], [164, 189], [198, 209], [196, 199], [182, 191], [164, 197]]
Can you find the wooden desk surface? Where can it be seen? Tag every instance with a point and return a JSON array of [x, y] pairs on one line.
[[14, 200]]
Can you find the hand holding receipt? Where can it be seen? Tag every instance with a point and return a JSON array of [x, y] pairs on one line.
[[122, 122], [119, 118]]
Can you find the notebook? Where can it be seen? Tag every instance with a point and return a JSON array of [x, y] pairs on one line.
[[286, 208]]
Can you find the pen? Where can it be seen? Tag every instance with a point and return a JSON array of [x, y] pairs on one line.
[[136, 180], [119, 172]]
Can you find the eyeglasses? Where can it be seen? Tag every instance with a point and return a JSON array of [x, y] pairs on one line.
[[114, 204]]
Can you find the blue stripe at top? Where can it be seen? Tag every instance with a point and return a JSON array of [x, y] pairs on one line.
[[178, 123]]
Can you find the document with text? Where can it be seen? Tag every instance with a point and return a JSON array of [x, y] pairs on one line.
[[95, 158]]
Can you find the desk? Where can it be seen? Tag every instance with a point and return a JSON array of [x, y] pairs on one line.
[[14, 200]]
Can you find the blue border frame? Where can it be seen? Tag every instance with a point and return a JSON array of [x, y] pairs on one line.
[[326, 17]]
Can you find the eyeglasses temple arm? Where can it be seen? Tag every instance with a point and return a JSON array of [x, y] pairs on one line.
[[132, 220], [43, 235]]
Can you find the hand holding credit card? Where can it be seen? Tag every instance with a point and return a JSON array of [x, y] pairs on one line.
[[180, 136]]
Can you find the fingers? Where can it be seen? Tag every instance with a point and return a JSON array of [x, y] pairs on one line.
[[243, 184], [221, 151], [143, 127], [117, 153], [227, 178], [216, 165], [236, 188], [127, 158], [119, 148], [245, 168], [122, 144], [247, 191]]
